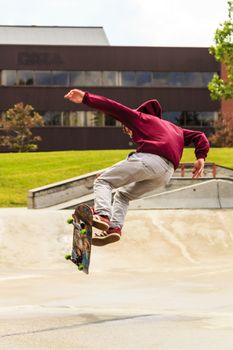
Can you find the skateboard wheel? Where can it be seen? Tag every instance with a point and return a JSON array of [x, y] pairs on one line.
[[83, 232], [80, 267], [68, 256], [70, 221]]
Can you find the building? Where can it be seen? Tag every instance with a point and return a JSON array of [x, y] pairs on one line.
[[39, 65]]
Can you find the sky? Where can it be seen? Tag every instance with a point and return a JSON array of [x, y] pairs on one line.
[[189, 23]]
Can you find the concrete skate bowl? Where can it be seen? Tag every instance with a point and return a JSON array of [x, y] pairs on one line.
[[166, 285], [154, 240]]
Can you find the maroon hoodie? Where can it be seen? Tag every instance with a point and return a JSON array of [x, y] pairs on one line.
[[150, 133]]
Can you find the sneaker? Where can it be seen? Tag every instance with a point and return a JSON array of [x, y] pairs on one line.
[[101, 222], [112, 235]]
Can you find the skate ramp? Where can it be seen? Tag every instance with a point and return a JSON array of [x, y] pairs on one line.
[[209, 194], [166, 285], [152, 239]]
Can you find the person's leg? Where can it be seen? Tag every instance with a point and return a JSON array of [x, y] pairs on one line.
[[125, 172], [146, 172], [124, 195], [136, 190]]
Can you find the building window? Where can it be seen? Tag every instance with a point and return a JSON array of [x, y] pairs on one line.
[[172, 117], [128, 79], [110, 79], [25, 77], [78, 119], [160, 79], [60, 78], [207, 118], [176, 79], [43, 78], [93, 78], [99, 119], [181, 79], [107, 78], [143, 78], [52, 118], [77, 78], [110, 121], [8, 77], [191, 118]]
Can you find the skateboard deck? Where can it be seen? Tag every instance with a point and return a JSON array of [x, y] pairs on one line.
[[82, 221]]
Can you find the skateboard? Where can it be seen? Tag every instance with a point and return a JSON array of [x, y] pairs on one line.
[[82, 221]]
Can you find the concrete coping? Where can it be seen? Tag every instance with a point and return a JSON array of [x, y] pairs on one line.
[[65, 182], [61, 191]]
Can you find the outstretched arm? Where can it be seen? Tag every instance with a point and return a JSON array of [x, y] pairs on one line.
[[120, 112], [201, 145]]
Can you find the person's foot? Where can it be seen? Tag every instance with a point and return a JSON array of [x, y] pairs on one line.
[[113, 234], [101, 222]]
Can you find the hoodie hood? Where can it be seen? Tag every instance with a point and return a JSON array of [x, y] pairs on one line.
[[151, 107]]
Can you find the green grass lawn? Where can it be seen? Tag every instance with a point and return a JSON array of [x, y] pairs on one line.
[[23, 171]]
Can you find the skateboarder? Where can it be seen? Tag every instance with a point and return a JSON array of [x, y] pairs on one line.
[[160, 145]]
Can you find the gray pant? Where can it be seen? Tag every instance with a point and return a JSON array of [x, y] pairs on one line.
[[138, 174]]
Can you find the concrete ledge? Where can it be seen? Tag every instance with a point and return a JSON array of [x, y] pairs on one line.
[[208, 194], [175, 183], [59, 192]]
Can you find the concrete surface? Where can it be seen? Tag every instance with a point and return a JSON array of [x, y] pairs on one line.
[[200, 195], [167, 285], [179, 193], [63, 191]]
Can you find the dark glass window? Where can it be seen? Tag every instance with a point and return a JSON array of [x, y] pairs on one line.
[[181, 79], [185, 119], [93, 78], [193, 79], [77, 78], [191, 118], [172, 117], [109, 78], [197, 79], [128, 78], [176, 79], [207, 118], [43, 78], [143, 78], [110, 121], [52, 118], [25, 77], [60, 78], [160, 79], [206, 78]]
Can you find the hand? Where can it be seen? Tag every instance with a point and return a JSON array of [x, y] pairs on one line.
[[198, 168], [75, 95]]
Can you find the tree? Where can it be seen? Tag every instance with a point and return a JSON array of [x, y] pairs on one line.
[[223, 52], [17, 124], [223, 136]]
